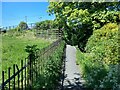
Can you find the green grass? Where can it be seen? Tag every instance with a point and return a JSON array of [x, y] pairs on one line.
[[13, 51], [13, 47]]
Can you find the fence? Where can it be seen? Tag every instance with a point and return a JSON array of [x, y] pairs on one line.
[[24, 77], [47, 34], [30, 25]]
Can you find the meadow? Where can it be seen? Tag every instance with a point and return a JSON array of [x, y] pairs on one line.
[[14, 44], [14, 50]]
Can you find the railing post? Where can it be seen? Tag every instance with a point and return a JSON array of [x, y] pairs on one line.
[[30, 67], [32, 71], [2, 80], [36, 64], [28, 72], [25, 74], [18, 78], [9, 76], [14, 77], [22, 75]]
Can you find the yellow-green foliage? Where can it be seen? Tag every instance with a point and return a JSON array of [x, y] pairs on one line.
[[100, 62], [104, 43]]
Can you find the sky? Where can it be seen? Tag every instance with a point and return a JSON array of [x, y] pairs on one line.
[[15, 12]]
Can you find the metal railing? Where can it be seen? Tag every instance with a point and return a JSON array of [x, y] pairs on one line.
[[23, 77]]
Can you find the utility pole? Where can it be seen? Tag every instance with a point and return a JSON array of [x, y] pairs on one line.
[[26, 19], [40, 18], [40, 28]]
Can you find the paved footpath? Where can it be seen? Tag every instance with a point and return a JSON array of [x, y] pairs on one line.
[[72, 79]]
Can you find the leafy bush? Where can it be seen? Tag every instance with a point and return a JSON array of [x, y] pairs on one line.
[[99, 18], [50, 74], [100, 62], [104, 43], [47, 24]]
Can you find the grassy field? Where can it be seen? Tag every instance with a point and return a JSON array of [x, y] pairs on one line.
[[13, 47], [13, 51]]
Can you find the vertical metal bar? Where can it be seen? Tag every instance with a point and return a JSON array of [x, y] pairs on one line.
[[18, 81], [14, 77], [9, 77], [28, 62], [34, 68], [2, 80], [22, 75], [36, 65], [30, 72], [25, 74]]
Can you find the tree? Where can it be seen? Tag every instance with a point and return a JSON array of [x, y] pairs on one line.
[[22, 26], [79, 19], [47, 24]]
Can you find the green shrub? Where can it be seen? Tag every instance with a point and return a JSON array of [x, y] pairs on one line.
[[104, 43], [100, 62], [50, 74]]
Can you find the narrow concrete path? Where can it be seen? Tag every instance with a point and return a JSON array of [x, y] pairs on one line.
[[72, 79]]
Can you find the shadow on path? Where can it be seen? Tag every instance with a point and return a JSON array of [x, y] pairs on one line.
[[73, 84], [72, 77]]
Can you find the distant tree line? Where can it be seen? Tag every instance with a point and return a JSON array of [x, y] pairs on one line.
[[47, 24], [42, 25], [22, 26]]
